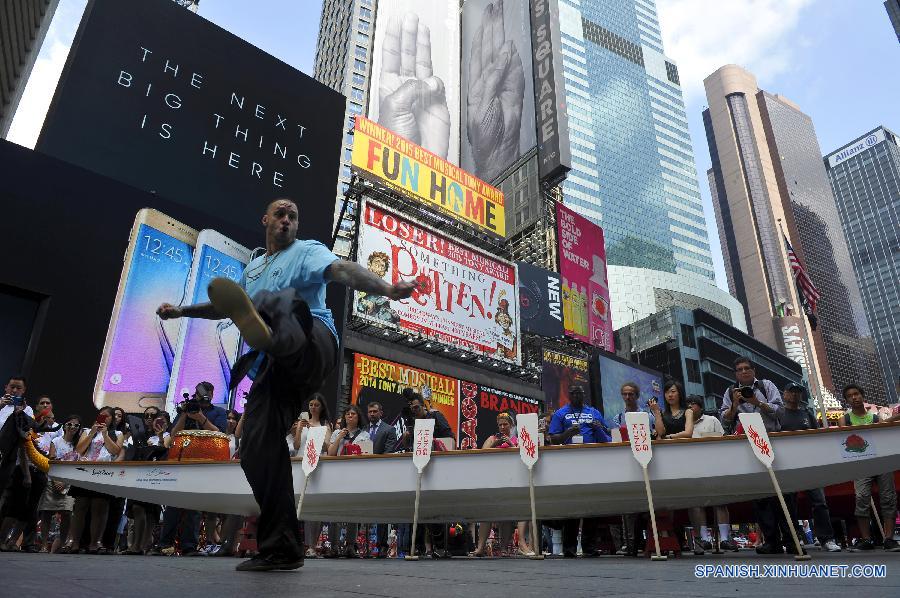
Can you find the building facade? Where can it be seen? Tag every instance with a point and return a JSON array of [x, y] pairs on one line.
[[636, 293], [633, 169], [23, 26], [699, 349], [865, 178], [767, 182]]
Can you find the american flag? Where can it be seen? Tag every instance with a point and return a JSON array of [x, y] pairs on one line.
[[809, 294]]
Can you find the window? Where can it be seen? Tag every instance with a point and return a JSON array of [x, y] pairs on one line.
[[359, 65], [359, 80], [687, 336], [364, 26], [356, 94], [693, 370], [365, 13], [361, 52]]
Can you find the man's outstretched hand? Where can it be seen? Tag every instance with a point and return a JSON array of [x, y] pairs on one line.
[[412, 101], [495, 96], [167, 311], [401, 290]]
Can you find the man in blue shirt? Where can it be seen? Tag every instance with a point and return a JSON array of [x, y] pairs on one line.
[[578, 423], [295, 347]]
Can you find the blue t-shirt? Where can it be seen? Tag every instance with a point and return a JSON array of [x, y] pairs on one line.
[[566, 417], [302, 265]]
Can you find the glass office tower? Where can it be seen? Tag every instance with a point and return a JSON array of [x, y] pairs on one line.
[[633, 170], [865, 178]]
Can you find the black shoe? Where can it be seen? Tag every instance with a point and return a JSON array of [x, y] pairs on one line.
[[728, 545], [769, 549], [231, 300], [569, 554], [31, 548], [793, 550], [270, 563], [891, 545], [191, 552], [863, 545]]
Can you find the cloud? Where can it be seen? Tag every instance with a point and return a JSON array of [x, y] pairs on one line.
[[29, 117], [703, 35]]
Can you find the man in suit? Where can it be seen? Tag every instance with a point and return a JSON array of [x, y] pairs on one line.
[[384, 440], [384, 437]]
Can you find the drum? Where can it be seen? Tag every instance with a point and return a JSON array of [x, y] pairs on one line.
[[199, 444]]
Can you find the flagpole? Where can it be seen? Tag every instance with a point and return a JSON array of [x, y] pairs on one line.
[[809, 337]]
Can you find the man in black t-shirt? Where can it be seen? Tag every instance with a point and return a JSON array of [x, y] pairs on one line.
[[797, 416]]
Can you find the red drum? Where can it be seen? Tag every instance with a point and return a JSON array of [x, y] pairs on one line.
[[191, 445]]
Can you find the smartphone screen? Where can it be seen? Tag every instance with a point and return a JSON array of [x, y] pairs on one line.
[[210, 347], [143, 346]]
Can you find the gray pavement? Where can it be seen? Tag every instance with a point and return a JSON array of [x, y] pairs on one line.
[[25, 575]]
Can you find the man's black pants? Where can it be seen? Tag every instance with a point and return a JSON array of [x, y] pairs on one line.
[[303, 353]]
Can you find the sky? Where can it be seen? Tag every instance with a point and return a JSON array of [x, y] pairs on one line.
[[839, 60]]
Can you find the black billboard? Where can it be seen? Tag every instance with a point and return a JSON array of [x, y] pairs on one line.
[[540, 301], [160, 98], [554, 154]]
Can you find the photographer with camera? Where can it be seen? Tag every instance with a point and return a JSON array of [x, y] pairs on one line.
[[198, 413], [750, 395], [195, 413], [416, 409]]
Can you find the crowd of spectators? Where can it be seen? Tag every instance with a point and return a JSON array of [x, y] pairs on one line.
[[39, 514]]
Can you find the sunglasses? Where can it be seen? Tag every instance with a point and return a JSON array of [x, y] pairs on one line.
[[71, 426], [151, 415]]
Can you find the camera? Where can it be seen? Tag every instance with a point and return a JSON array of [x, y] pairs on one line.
[[408, 420], [746, 391], [189, 405]]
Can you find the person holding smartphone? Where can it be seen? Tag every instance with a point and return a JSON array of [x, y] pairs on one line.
[[279, 308], [102, 443]]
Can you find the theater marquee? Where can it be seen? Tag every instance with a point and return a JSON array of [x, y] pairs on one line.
[[387, 158]]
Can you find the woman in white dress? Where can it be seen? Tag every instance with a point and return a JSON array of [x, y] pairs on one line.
[[98, 443]]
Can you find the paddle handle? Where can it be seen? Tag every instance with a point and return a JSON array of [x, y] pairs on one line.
[[652, 512], [415, 529], [535, 538], [787, 515], [302, 495], [877, 518]]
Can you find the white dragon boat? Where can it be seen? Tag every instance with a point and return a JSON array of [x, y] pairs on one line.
[[570, 481]]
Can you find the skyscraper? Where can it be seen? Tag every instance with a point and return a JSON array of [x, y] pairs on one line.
[[893, 10], [343, 62], [633, 169], [23, 25], [767, 182], [865, 177]]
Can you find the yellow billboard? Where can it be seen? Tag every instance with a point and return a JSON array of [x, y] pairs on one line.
[[385, 157]]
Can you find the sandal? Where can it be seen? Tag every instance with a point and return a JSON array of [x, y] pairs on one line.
[[477, 554], [67, 549], [94, 548]]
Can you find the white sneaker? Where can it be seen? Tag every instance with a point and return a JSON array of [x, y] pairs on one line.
[[830, 546]]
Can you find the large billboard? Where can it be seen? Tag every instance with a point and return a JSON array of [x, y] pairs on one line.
[[612, 372], [387, 158], [561, 371], [466, 298], [540, 301], [415, 73], [479, 407], [498, 118], [162, 99], [382, 381], [554, 154], [585, 288]]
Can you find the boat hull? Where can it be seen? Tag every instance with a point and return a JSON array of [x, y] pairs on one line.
[[575, 481]]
